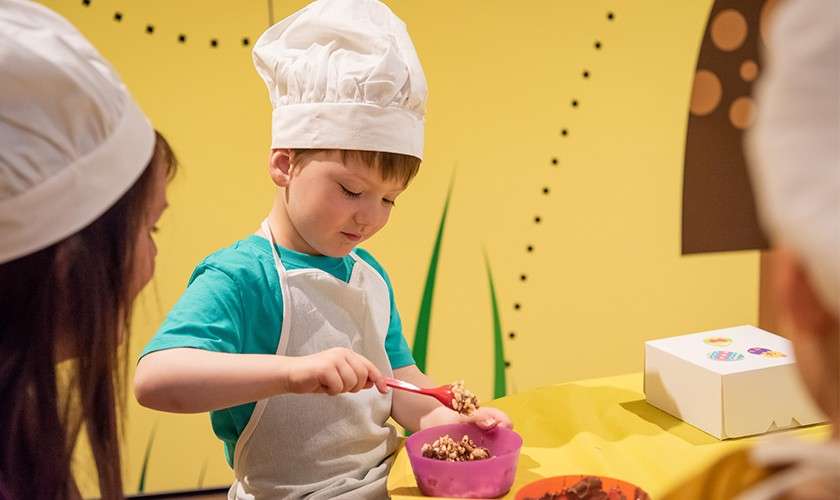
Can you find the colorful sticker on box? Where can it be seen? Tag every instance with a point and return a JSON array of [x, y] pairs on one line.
[[758, 351], [774, 354], [726, 356], [718, 341]]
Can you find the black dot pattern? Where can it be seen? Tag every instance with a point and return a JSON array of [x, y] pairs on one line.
[[564, 132], [182, 38], [86, 3]]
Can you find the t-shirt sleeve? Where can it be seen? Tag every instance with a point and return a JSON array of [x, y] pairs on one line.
[[396, 346], [207, 316]]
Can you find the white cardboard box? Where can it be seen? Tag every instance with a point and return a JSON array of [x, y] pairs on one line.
[[742, 384]]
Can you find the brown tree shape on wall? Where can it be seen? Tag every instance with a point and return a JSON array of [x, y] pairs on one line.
[[718, 212]]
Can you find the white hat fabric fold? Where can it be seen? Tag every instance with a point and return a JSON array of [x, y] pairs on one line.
[[343, 74], [795, 143], [72, 140]]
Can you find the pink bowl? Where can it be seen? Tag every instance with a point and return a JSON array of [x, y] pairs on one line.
[[488, 478]]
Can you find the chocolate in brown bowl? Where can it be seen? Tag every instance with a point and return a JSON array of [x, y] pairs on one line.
[[581, 487]]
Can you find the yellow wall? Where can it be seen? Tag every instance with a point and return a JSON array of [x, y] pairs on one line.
[[606, 271]]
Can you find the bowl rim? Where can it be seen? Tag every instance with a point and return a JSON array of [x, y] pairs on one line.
[[469, 463], [558, 476]]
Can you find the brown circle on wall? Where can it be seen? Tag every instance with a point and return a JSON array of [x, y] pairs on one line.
[[748, 70], [706, 94], [729, 30], [741, 112]]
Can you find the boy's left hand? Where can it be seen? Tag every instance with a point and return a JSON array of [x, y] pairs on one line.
[[488, 418]]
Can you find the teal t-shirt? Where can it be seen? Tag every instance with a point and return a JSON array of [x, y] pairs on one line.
[[233, 304]]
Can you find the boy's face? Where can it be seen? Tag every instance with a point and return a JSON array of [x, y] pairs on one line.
[[334, 205]]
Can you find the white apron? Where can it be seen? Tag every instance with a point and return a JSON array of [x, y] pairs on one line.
[[317, 446]]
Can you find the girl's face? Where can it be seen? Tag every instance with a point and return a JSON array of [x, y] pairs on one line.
[[145, 249], [141, 249]]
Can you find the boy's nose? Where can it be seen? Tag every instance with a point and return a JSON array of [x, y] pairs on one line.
[[365, 216], [361, 218]]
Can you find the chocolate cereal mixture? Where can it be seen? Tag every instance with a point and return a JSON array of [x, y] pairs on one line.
[[446, 448], [464, 401], [590, 488]]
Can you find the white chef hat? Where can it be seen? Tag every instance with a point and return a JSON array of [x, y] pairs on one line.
[[72, 141], [343, 74], [795, 143]]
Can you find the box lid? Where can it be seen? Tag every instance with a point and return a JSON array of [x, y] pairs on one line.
[[729, 350]]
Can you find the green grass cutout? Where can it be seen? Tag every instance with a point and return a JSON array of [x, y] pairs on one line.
[[499, 380], [420, 349], [141, 487]]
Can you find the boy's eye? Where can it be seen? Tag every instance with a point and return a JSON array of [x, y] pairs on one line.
[[349, 193], [389, 202]]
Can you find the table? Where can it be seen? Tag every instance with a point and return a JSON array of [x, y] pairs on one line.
[[601, 427]]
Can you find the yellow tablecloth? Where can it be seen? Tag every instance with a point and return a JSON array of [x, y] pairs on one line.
[[601, 427]]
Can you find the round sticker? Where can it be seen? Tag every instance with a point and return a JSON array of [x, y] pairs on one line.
[[718, 341], [725, 356], [757, 350], [774, 354]]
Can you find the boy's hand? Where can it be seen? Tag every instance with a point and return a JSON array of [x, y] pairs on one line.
[[485, 417], [333, 371], [488, 418]]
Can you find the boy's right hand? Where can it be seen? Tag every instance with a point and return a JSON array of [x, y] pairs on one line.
[[333, 371]]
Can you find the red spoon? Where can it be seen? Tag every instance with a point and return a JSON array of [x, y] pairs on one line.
[[442, 393]]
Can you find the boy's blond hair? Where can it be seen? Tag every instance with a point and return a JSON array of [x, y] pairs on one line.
[[390, 165]]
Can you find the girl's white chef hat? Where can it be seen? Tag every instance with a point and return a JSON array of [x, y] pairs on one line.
[[72, 140]]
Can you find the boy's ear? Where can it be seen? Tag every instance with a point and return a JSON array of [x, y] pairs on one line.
[[279, 166]]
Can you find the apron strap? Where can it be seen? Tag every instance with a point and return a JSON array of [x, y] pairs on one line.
[[266, 229]]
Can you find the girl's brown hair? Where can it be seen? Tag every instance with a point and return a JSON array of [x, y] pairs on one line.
[[72, 297]]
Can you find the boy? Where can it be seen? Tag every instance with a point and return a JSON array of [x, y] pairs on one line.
[[296, 317]]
